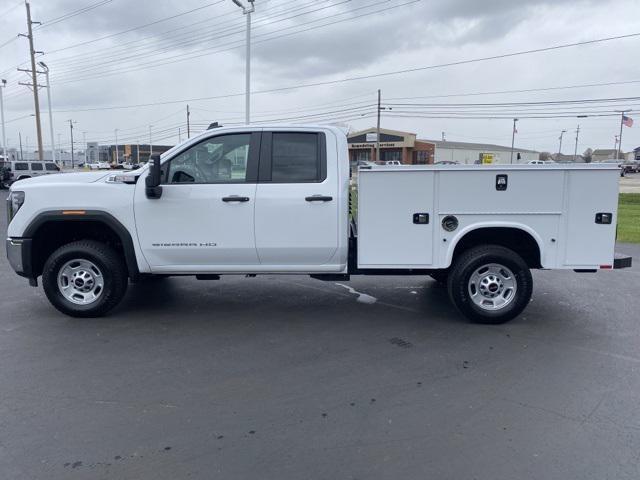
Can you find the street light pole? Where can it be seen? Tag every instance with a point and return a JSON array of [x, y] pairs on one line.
[[150, 144], [71, 122], [560, 146], [53, 146], [247, 11], [513, 138], [4, 135], [575, 152]]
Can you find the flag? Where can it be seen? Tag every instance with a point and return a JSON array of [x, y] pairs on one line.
[[627, 121], [515, 129]]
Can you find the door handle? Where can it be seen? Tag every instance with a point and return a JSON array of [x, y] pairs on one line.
[[318, 198], [235, 198]]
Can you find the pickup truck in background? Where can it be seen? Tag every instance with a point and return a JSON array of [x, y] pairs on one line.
[[279, 200]]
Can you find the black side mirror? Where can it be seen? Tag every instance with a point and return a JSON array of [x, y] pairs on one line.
[[152, 182]]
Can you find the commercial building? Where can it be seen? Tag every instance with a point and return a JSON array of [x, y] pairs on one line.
[[394, 146], [409, 150], [470, 153], [135, 153]]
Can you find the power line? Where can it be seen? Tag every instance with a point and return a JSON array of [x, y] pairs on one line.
[[194, 54], [88, 42], [72, 14], [428, 67], [528, 90], [137, 52]]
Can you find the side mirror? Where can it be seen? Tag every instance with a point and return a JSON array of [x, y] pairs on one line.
[[154, 177]]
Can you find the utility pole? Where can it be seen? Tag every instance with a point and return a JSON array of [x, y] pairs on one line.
[[189, 124], [53, 146], [116, 132], [575, 152], [378, 128], [71, 122], [560, 146], [444, 137], [150, 144], [622, 115], [247, 11], [3, 85], [34, 78], [513, 137], [615, 144], [20, 137]]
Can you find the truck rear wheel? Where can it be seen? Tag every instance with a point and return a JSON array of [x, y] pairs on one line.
[[490, 284], [84, 279]]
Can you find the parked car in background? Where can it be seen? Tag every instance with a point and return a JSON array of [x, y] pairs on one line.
[[631, 166], [104, 166], [393, 162], [447, 162], [15, 170], [618, 162], [130, 166], [540, 162]]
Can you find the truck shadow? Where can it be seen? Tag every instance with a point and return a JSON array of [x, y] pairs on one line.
[[295, 299]]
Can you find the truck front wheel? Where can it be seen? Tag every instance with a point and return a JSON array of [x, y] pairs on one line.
[[84, 278], [490, 284]]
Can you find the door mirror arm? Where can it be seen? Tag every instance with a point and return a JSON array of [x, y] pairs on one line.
[[153, 188]]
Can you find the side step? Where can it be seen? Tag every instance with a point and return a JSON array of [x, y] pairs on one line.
[[331, 277]]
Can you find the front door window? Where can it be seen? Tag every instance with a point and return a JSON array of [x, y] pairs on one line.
[[221, 159]]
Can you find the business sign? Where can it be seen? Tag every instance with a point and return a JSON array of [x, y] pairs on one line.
[[382, 145], [372, 137], [486, 158]]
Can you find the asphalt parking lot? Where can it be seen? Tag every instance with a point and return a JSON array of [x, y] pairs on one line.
[[292, 378]]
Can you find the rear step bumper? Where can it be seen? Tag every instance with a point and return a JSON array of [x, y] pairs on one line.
[[621, 261]]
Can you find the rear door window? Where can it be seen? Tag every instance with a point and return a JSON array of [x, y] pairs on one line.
[[51, 167], [294, 157]]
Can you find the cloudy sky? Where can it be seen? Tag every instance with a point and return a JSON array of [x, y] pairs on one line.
[[131, 64]]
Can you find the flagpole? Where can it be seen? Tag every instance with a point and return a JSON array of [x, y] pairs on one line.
[[622, 115]]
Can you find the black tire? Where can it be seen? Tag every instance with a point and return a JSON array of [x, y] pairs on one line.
[[472, 261], [440, 276], [108, 262]]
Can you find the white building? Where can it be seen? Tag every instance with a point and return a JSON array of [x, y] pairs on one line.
[[470, 153]]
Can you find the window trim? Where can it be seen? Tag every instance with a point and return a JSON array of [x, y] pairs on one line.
[[266, 160], [252, 159]]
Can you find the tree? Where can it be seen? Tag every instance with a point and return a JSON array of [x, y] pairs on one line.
[[588, 155], [545, 156]]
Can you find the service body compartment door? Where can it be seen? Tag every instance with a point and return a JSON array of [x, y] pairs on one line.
[[590, 238], [393, 228]]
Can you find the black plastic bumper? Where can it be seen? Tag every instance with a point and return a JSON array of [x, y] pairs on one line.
[[19, 256], [621, 261]]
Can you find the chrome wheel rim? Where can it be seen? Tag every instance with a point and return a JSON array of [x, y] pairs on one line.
[[80, 281], [492, 287]]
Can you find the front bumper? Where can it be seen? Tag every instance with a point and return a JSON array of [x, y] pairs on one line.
[[19, 256]]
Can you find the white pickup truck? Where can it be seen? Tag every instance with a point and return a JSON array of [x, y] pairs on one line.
[[279, 200]]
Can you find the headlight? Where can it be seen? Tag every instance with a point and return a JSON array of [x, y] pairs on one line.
[[14, 202]]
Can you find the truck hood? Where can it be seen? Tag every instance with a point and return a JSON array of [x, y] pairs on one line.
[[75, 177]]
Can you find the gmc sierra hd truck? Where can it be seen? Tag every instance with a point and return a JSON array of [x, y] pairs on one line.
[[280, 200]]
